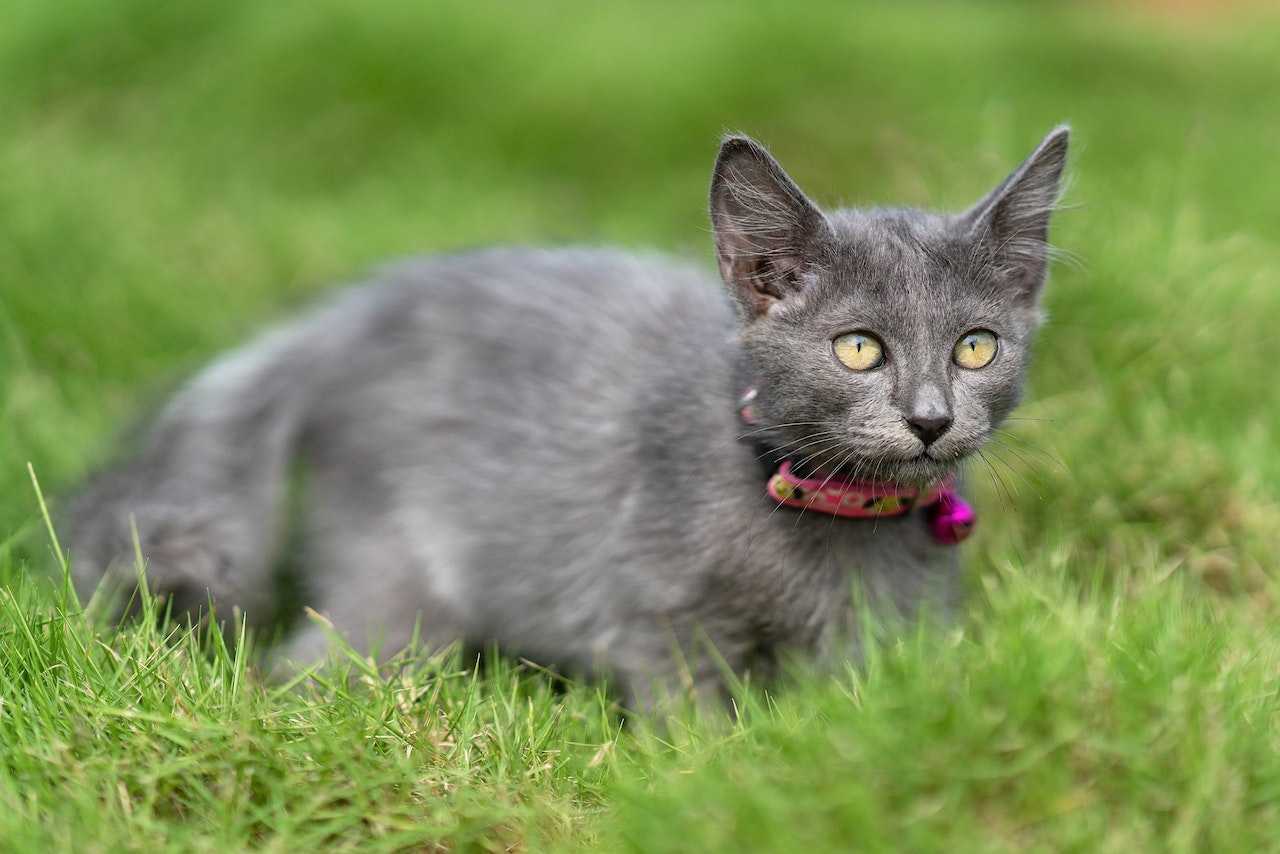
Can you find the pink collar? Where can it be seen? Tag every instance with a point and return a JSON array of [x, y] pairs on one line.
[[950, 517]]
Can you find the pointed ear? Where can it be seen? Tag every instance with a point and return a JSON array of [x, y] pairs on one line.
[[1011, 224], [765, 228]]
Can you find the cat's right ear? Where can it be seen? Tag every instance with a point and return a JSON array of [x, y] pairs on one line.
[[1012, 222], [766, 230]]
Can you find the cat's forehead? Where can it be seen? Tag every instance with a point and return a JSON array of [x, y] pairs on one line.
[[892, 266], [888, 247]]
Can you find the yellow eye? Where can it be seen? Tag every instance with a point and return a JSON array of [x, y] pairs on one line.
[[858, 351], [975, 349]]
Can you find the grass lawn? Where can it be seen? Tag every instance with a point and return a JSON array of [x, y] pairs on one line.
[[174, 175]]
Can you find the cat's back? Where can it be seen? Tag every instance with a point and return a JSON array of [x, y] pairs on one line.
[[566, 302], [513, 345], [497, 316]]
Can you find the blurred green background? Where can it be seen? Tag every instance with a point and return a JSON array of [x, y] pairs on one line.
[[174, 175]]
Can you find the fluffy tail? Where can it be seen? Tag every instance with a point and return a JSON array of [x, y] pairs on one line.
[[206, 491]]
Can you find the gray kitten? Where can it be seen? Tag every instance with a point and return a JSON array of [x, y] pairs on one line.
[[594, 459]]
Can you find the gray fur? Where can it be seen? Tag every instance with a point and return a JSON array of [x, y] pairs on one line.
[[541, 448]]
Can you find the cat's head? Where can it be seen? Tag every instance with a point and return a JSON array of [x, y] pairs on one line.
[[887, 344]]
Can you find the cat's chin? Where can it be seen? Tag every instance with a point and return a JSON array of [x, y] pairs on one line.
[[914, 472], [917, 472]]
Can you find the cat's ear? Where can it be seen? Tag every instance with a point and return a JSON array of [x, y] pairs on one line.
[[766, 229], [1012, 223]]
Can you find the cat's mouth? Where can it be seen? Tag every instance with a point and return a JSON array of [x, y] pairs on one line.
[[922, 470], [917, 471]]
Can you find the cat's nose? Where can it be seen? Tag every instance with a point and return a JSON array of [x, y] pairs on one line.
[[928, 428]]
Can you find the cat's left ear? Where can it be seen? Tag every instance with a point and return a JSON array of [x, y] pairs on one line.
[[767, 232], [1012, 222]]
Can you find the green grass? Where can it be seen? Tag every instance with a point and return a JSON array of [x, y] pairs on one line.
[[174, 175]]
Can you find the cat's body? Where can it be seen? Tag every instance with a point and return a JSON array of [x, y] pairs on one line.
[[545, 449]]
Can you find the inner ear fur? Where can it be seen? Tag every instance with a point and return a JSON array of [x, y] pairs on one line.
[[1011, 223], [765, 227]]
